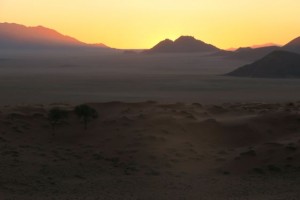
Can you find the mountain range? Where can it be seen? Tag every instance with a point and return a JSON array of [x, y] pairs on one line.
[[188, 44], [251, 54], [19, 36]]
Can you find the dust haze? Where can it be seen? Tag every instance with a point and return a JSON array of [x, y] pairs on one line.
[[93, 75]]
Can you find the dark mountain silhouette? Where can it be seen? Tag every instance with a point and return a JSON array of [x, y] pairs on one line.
[[293, 45], [184, 44], [247, 53], [278, 64], [19, 36], [99, 45], [264, 45], [251, 54]]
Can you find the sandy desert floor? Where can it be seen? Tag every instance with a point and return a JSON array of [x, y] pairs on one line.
[[68, 77], [151, 150]]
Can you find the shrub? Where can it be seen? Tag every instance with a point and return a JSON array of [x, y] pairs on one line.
[[274, 168], [85, 114], [56, 116]]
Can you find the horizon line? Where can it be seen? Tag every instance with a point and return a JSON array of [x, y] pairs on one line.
[[231, 48]]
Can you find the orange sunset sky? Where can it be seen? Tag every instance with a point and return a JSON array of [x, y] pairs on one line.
[[142, 23]]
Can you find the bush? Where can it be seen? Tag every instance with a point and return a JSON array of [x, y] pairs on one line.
[[274, 168], [56, 116], [85, 114]]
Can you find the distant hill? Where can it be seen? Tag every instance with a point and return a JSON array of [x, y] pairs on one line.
[[251, 54], [264, 45], [19, 36], [293, 45], [98, 45], [278, 64], [184, 44]]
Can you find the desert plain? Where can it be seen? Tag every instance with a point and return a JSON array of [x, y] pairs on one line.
[[168, 127]]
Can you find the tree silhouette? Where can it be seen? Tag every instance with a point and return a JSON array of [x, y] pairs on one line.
[[86, 114], [56, 117]]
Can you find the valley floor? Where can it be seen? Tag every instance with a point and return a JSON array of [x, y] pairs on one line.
[[150, 150]]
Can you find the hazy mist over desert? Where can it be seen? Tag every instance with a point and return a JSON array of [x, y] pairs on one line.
[[149, 100], [95, 76]]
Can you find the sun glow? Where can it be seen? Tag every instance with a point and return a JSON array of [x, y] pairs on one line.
[[142, 23]]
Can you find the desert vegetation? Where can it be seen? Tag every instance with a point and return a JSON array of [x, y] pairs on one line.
[[56, 117], [86, 114]]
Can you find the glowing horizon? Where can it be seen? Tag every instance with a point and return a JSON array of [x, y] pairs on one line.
[[139, 24]]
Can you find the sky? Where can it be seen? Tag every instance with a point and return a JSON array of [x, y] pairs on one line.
[[134, 24]]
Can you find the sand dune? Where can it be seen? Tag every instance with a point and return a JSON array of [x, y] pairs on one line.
[[150, 150]]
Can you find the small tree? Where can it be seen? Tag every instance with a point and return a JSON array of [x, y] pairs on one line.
[[86, 114], [56, 117]]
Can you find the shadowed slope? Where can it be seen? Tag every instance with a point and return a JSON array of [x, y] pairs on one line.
[[278, 64], [293, 45]]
